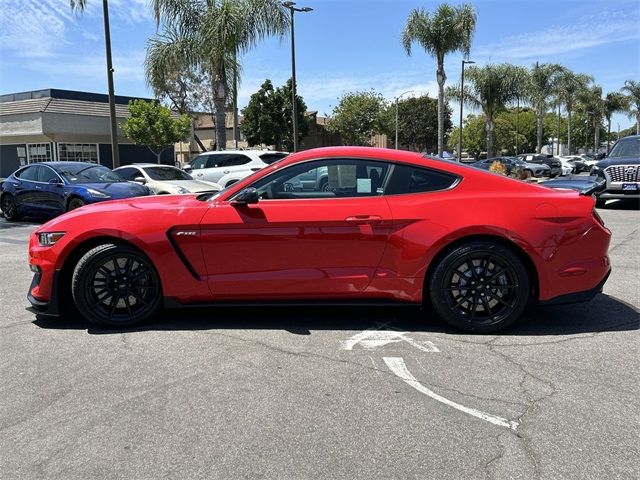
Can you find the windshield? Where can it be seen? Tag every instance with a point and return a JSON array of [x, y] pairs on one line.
[[88, 174], [167, 173], [626, 148]]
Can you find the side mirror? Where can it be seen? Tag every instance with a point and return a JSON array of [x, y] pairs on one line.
[[56, 182], [187, 168], [246, 197], [141, 180]]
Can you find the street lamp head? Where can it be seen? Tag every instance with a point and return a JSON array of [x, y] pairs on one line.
[[306, 9], [468, 61]]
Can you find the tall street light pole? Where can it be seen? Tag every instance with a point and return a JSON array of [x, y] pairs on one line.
[[464, 62], [398, 98], [293, 10], [115, 154]]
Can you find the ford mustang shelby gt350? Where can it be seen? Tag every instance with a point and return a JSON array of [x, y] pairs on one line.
[[387, 226]]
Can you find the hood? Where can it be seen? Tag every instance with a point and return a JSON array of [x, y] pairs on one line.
[[609, 162], [117, 190]]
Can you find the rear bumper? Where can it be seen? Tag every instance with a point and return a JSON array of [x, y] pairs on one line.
[[577, 297]]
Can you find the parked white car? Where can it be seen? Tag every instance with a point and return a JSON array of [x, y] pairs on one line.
[[567, 167], [226, 167], [165, 179]]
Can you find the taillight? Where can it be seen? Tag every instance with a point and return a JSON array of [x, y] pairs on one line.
[[597, 216]]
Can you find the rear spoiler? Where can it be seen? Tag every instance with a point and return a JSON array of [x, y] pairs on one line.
[[598, 186]]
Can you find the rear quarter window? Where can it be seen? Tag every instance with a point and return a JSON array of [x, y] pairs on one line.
[[407, 179]]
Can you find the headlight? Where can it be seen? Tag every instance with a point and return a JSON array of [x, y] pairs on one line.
[[597, 171], [96, 193], [182, 190], [49, 238]]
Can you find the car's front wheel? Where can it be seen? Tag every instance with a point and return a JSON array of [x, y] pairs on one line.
[[116, 285], [9, 208], [75, 203], [479, 287]]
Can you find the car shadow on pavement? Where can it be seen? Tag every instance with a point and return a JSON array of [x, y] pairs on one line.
[[622, 205], [603, 314]]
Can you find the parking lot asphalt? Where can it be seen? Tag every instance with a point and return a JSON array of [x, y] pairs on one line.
[[324, 392]]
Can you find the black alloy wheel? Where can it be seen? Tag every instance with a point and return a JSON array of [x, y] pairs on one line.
[[75, 203], [116, 285], [9, 208], [480, 287]]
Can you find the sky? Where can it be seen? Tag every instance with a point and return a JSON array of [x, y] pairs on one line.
[[341, 46]]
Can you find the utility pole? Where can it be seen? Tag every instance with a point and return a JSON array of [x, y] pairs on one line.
[[115, 154], [461, 107]]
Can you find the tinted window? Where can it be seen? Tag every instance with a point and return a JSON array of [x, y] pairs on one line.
[[83, 173], [29, 173], [626, 148], [199, 162], [166, 173], [329, 178], [270, 158], [406, 179], [227, 160], [46, 174], [128, 173]]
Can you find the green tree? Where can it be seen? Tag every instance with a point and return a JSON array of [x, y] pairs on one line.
[[489, 88], [543, 78], [632, 90], [569, 85], [357, 117], [515, 127], [417, 123], [592, 104], [474, 136], [209, 36], [152, 125], [450, 29], [267, 117], [614, 102]]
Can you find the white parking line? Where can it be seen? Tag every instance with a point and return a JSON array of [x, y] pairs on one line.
[[399, 368]]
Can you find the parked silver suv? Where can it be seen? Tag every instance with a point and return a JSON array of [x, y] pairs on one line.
[[621, 169]]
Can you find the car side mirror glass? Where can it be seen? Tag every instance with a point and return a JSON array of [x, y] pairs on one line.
[[141, 180], [187, 168], [246, 197], [55, 181]]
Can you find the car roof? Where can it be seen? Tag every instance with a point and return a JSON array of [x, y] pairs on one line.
[[57, 165]]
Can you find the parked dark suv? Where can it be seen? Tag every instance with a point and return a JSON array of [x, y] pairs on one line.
[[621, 169], [554, 164]]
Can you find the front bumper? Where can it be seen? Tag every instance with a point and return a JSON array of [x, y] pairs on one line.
[[49, 307]]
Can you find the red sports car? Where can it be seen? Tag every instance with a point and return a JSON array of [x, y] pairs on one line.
[[331, 225]]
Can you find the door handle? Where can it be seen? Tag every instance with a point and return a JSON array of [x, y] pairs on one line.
[[225, 171], [364, 219]]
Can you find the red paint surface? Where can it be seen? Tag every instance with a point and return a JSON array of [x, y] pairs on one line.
[[369, 247]]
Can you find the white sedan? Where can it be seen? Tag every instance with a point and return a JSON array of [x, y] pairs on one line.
[[165, 179]]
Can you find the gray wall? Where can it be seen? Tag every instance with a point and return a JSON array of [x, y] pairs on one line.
[[9, 161]]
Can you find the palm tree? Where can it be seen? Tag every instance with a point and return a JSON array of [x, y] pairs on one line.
[[79, 6], [542, 85], [449, 30], [209, 36], [614, 102], [632, 89], [569, 86], [592, 104], [490, 89], [520, 81]]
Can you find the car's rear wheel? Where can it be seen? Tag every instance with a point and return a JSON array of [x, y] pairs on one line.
[[479, 287], [9, 208], [75, 203], [116, 285]]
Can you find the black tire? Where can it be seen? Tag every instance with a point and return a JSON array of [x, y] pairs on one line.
[[600, 203], [116, 286], [500, 274], [527, 174], [324, 185], [74, 203], [9, 208]]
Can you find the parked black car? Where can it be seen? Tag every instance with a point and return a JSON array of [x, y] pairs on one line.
[[621, 170], [512, 164], [554, 164]]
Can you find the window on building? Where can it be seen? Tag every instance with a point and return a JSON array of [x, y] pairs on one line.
[[39, 152], [79, 152]]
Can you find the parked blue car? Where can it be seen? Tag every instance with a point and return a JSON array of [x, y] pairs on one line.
[[51, 188]]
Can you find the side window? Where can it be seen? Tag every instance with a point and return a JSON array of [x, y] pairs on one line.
[[30, 174], [46, 174], [235, 160], [407, 179], [128, 173], [227, 160], [200, 161], [331, 178]]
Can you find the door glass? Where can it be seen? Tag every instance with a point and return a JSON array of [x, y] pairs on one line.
[[30, 174], [199, 162], [331, 178], [45, 175]]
